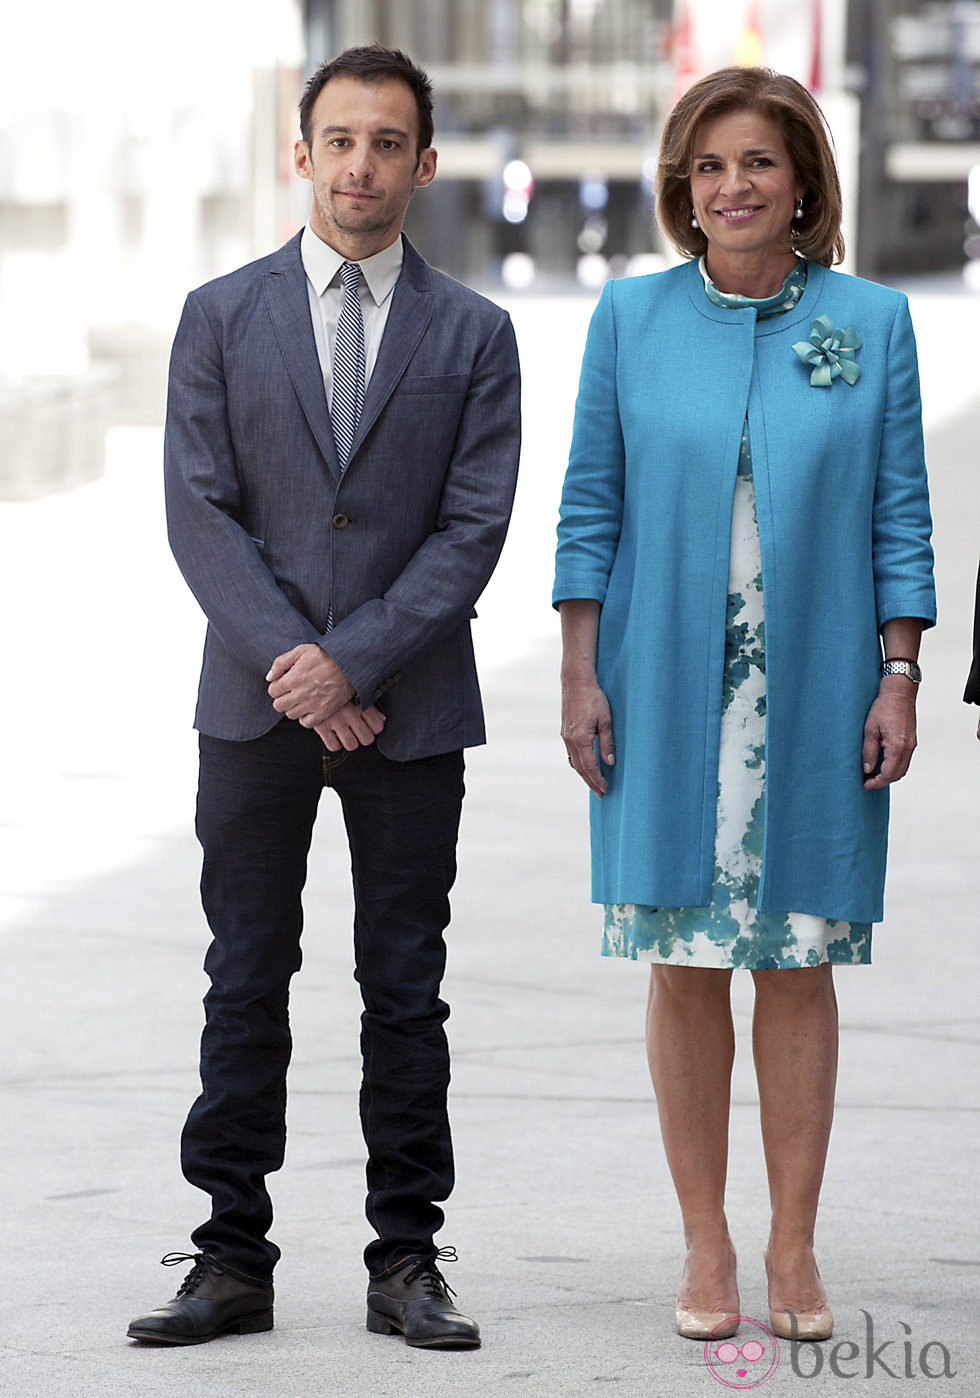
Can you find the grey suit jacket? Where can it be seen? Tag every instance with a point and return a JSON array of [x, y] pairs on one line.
[[270, 536]]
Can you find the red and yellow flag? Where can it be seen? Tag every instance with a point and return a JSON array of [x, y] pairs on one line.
[[748, 49]]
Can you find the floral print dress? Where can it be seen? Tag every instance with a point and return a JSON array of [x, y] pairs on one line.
[[731, 932]]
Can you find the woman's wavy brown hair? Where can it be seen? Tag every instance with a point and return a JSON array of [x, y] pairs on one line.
[[817, 235]]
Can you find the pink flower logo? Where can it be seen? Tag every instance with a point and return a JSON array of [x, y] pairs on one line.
[[746, 1361]]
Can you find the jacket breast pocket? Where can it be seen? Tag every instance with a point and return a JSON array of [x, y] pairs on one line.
[[433, 383]]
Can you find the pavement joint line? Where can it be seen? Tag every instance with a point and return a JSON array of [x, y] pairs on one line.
[[604, 1099]]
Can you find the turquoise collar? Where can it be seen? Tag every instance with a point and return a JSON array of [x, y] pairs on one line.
[[784, 299]]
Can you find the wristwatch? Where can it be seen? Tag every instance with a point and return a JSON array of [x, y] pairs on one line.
[[908, 668]]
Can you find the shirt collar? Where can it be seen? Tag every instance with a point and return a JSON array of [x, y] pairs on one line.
[[322, 263]]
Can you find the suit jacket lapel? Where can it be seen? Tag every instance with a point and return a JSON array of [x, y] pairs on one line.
[[289, 308], [408, 317]]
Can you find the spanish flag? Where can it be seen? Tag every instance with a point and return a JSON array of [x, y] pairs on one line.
[[816, 68], [684, 51], [748, 49]]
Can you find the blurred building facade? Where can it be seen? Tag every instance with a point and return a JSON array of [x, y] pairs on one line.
[[548, 114], [916, 69], [142, 152]]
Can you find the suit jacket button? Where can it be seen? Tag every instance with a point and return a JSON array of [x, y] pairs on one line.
[[340, 521]]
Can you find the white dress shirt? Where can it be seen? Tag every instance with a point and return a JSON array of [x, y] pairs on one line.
[[322, 265]]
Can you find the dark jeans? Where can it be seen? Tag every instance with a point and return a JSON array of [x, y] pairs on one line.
[[257, 802]]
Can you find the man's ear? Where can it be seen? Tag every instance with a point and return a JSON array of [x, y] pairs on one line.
[[302, 161], [425, 171]]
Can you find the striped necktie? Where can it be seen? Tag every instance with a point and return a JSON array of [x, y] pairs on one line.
[[348, 365]]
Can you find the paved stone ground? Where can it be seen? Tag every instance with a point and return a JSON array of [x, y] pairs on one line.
[[563, 1216]]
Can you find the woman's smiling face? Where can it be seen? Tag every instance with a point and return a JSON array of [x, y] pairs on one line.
[[743, 186]]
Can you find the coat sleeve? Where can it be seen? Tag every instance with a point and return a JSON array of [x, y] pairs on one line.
[[901, 522], [591, 512], [972, 695], [437, 589], [220, 562]]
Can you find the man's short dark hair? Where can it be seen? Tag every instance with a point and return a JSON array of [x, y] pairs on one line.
[[372, 63]]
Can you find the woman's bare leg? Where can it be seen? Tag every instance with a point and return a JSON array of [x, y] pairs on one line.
[[794, 1039], [690, 1049]]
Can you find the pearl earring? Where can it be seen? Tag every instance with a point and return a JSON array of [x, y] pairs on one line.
[[694, 220], [798, 210]]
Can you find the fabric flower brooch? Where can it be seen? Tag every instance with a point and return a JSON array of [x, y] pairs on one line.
[[830, 353]]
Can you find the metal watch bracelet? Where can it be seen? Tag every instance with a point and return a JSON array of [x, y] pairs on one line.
[[908, 668]]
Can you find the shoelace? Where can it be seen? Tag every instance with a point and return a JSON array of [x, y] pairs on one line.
[[424, 1269], [196, 1275]]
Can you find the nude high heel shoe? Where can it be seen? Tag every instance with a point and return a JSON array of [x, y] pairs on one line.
[[696, 1324], [800, 1325], [807, 1325], [705, 1325]]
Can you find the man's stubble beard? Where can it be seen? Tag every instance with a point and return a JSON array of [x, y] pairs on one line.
[[331, 216]]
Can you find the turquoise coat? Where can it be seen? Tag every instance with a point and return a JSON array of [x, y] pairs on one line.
[[668, 380]]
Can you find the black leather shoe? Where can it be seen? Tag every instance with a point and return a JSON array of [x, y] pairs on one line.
[[212, 1300], [411, 1298]]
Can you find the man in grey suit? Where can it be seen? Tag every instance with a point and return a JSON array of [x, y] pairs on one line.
[[341, 455]]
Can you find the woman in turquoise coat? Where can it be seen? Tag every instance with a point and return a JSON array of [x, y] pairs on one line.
[[744, 573]]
